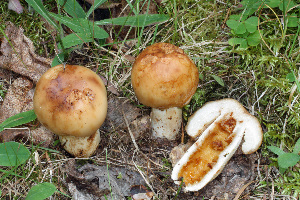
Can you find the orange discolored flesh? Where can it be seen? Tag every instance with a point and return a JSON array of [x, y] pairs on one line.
[[207, 154]]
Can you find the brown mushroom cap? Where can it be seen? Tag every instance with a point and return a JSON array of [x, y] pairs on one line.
[[163, 76], [70, 101]]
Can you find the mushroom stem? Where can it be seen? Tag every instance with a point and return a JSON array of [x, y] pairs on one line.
[[81, 147], [166, 123]]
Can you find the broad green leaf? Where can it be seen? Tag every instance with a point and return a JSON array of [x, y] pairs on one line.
[[240, 29], [83, 26], [13, 154], [58, 59], [287, 160], [73, 8], [253, 39], [273, 3], [96, 4], [75, 39], [39, 8], [293, 20], [236, 41], [290, 77], [233, 24], [18, 119], [251, 24], [276, 150], [219, 80], [41, 191], [296, 149], [137, 21], [285, 5]]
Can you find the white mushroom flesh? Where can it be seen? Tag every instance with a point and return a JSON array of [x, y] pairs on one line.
[[222, 125]]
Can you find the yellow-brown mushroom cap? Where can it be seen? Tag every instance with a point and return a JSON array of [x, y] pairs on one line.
[[70, 101], [163, 76]]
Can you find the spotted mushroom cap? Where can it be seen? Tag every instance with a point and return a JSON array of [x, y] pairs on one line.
[[70, 101], [163, 76]]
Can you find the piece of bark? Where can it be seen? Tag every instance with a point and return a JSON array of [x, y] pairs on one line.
[[18, 54]]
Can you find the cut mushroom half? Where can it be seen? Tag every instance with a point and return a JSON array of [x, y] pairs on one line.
[[221, 127]]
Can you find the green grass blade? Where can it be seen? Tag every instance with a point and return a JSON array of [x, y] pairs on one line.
[[18, 119], [97, 3], [39, 7], [83, 26], [137, 21], [41, 191], [73, 8], [13, 154]]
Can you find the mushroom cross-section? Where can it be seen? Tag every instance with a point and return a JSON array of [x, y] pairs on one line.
[[164, 78], [221, 126], [71, 101]]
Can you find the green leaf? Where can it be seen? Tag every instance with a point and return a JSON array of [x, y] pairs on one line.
[[236, 41], [290, 77], [219, 80], [296, 149], [285, 5], [83, 26], [75, 39], [292, 20], [233, 24], [276, 150], [18, 119], [96, 4], [41, 191], [251, 24], [254, 38], [240, 29], [274, 3], [73, 8], [39, 8], [287, 160], [137, 21], [13, 154], [58, 59]]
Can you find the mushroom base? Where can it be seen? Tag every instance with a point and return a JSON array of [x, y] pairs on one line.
[[166, 123], [81, 147]]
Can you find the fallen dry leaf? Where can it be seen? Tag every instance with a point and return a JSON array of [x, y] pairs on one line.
[[17, 54], [19, 99]]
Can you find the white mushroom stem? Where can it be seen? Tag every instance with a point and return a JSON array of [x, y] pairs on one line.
[[82, 147], [166, 123]]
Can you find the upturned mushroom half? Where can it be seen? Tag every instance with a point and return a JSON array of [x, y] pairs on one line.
[[221, 127], [71, 101], [164, 78]]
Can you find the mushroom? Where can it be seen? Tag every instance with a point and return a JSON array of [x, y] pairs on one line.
[[71, 101], [164, 78], [221, 126]]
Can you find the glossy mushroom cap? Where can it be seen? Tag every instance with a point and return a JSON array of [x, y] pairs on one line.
[[70, 101], [163, 76]]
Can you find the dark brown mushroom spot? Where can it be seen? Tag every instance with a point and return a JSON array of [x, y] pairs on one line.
[[207, 154]]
